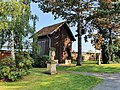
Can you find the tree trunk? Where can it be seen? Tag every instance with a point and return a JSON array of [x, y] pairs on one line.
[[110, 46], [79, 27], [12, 45], [105, 56]]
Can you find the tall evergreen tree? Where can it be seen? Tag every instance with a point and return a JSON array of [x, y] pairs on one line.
[[106, 20]]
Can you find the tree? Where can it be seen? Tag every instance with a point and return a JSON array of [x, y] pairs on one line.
[[14, 23], [74, 11], [35, 45], [106, 21]]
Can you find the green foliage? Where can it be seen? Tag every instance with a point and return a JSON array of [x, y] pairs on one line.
[[116, 59], [7, 62], [105, 20], [11, 71], [41, 61], [67, 9], [116, 50], [35, 45], [24, 61], [35, 48], [15, 19], [8, 70], [14, 14], [52, 49]]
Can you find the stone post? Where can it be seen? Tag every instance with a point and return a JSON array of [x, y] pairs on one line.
[[99, 57], [99, 62]]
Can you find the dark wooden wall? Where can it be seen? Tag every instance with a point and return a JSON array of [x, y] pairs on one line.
[[62, 43], [60, 40], [44, 45]]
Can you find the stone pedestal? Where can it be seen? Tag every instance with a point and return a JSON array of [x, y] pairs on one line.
[[67, 62], [56, 61], [51, 65], [51, 68]]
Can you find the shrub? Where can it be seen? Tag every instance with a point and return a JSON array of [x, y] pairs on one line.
[[8, 70], [24, 61], [41, 61], [11, 70], [116, 59]]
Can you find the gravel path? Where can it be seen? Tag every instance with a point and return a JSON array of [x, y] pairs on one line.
[[111, 81]]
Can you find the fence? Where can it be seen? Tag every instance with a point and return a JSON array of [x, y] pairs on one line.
[[4, 54]]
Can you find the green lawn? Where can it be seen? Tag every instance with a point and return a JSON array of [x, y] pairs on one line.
[[37, 80], [91, 66]]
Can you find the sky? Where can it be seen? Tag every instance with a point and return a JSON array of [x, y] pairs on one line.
[[46, 19]]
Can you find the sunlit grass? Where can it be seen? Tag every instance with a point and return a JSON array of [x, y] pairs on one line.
[[37, 80], [91, 66]]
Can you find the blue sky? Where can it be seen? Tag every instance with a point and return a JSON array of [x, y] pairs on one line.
[[46, 19]]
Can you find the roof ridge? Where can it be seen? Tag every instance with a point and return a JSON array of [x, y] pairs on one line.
[[54, 24]]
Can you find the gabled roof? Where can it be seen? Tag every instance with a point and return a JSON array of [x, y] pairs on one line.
[[51, 29]]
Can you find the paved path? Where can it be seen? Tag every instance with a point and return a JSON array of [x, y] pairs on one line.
[[111, 81]]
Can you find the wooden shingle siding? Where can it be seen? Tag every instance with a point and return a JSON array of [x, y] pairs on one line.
[[61, 39], [63, 45], [44, 47]]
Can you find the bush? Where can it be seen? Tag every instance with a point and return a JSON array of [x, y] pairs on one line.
[[8, 70], [116, 59], [41, 61], [11, 70], [24, 61]]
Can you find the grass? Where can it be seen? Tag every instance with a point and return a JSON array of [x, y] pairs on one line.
[[37, 80], [91, 66]]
